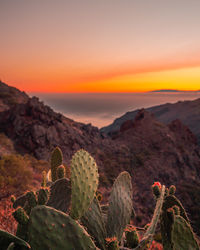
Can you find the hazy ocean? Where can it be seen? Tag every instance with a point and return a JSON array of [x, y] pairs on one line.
[[100, 109]]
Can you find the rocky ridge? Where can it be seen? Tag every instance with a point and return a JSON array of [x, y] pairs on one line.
[[188, 112]]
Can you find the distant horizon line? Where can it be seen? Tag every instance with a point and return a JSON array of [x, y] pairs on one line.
[[115, 92]]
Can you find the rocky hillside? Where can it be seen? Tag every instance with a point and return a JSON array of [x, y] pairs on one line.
[[9, 96], [160, 152], [148, 149], [188, 112]]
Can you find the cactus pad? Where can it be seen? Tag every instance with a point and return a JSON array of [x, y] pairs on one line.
[[20, 201], [94, 223], [84, 181], [60, 195], [43, 194], [6, 239], [20, 216], [60, 172], [171, 201], [120, 206], [52, 229], [182, 235], [56, 160]]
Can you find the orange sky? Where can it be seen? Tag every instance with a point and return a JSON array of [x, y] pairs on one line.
[[115, 46]]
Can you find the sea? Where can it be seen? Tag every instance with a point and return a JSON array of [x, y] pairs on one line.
[[101, 109]]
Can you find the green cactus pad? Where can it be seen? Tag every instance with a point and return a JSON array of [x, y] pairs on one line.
[[43, 196], [6, 239], [56, 160], [60, 172], [182, 236], [131, 236], [84, 181], [44, 181], [22, 232], [31, 202], [93, 221], [20, 201], [20, 216], [172, 190], [171, 201], [52, 229], [60, 195], [166, 221], [120, 206]]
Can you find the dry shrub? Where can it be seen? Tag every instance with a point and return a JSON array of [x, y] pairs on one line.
[[15, 176], [7, 221]]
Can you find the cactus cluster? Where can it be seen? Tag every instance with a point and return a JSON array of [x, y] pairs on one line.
[[66, 213]]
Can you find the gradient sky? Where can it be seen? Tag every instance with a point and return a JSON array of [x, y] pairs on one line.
[[100, 46]]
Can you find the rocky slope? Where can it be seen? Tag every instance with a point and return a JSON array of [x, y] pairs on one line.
[[188, 112], [9, 96], [148, 149], [169, 154]]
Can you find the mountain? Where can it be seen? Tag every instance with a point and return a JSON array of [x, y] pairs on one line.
[[188, 112], [166, 90], [9, 96], [148, 149]]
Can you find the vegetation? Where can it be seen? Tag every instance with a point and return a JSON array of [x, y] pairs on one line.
[[68, 214], [6, 143], [19, 173], [14, 174]]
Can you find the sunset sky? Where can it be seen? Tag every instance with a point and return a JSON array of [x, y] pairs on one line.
[[100, 46]]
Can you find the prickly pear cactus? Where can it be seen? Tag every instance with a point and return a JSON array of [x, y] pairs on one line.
[[20, 216], [44, 181], [171, 201], [131, 236], [112, 243], [52, 229], [56, 160], [60, 195], [20, 201], [172, 190], [6, 239], [60, 172], [43, 195], [182, 235], [93, 221], [120, 206], [84, 182], [148, 236], [31, 201], [167, 219]]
